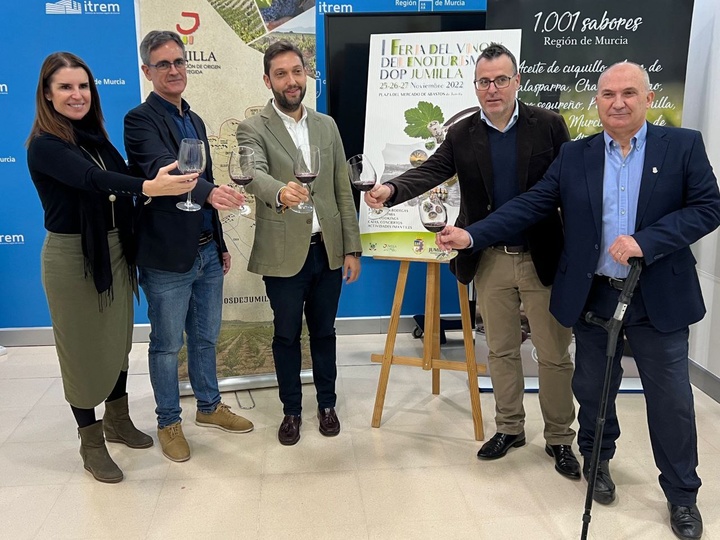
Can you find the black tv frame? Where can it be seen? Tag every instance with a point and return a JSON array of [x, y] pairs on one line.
[[347, 52]]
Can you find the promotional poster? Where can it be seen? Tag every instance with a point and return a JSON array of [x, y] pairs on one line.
[[419, 85]]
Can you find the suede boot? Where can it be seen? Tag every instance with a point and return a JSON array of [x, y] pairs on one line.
[[119, 428], [95, 455]]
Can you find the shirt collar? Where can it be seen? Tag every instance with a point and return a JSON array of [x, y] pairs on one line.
[[171, 107], [289, 119], [638, 139], [511, 123]]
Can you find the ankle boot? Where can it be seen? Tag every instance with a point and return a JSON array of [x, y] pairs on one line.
[[119, 428], [95, 455]]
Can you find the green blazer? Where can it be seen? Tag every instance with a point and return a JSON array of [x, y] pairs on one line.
[[282, 239]]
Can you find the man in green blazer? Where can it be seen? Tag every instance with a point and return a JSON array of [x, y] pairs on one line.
[[303, 257]]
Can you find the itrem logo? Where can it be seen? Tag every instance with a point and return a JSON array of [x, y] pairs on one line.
[[11, 239], [3, 88], [87, 7]]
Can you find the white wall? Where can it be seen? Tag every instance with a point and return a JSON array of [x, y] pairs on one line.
[[702, 111]]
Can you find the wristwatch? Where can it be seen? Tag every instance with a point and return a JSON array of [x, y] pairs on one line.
[[356, 254]]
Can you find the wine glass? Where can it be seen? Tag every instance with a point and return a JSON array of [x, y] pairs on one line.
[[434, 216], [191, 159], [362, 173], [307, 167], [241, 169]]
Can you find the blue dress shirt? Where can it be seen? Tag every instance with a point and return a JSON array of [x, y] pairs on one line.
[[621, 187]]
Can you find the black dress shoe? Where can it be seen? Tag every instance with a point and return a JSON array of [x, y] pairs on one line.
[[686, 521], [329, 423], [604, 491], [289, 432], [499, 445], [565, 461]]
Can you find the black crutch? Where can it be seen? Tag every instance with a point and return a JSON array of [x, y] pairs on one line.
[[613, 327]]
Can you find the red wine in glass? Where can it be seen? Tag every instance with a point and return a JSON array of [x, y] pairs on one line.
[[306, 168], [241, 180], [435, 226], [241, 169], [365, 187], [362, 174], [305, 178], [433, 216]]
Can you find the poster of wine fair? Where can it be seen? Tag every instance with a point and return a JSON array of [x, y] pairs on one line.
[[419, 85]]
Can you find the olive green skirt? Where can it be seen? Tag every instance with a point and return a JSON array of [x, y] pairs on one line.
[[92, 345]]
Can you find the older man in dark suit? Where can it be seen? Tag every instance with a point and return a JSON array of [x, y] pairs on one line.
[[634, 190], [498, 153]]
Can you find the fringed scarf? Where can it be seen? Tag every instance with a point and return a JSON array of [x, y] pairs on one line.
[[94, 209]]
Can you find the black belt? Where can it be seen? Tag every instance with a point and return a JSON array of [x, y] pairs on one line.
[[316, 238], [205, 238], [615, 283], [511, 250]]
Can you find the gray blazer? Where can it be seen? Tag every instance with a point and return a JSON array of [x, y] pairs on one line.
[[282, 239]]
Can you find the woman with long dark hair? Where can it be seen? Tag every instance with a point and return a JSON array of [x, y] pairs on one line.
[[87, 258]]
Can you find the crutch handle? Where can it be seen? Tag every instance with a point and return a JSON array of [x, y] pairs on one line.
[[626, 295], [631, 281]]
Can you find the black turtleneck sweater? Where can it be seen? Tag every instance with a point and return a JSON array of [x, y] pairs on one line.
[[61, 171]]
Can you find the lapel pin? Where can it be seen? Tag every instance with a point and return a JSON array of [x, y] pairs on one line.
[[655, 170]]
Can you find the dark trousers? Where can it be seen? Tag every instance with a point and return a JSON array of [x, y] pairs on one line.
[[315, 290], [662, 361]]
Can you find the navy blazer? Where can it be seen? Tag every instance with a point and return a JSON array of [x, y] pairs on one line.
[[678, 204], [167, 236], [466, 152]]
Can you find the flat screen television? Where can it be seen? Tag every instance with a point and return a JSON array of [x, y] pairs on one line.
[[347, 51]]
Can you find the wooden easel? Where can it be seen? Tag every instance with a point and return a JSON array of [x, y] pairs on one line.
[[431, 346]]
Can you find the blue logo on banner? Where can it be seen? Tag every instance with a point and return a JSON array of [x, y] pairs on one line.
[[88, 7], [63, 7]]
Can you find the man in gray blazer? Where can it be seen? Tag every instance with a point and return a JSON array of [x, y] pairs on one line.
[[303, 257]]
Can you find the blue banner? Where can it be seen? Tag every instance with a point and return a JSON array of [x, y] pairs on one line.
[[103, 34]]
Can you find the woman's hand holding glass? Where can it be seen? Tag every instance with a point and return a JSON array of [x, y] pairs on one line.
[[165, 183]]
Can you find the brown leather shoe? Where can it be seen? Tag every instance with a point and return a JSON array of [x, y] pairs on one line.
[[289, 432], [329, 423]]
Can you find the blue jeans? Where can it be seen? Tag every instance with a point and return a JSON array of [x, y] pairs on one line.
[[190, 301], [316, 291]]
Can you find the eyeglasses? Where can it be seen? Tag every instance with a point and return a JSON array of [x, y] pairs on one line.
[[164, 65], [503, 81]]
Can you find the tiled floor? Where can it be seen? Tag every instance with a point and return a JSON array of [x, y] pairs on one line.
[[415, 477]]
